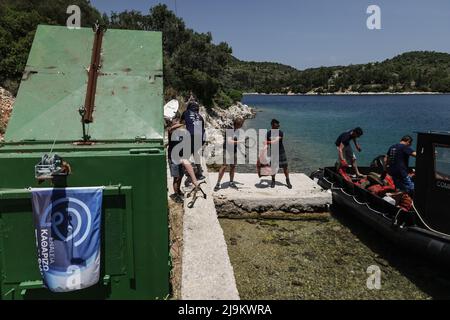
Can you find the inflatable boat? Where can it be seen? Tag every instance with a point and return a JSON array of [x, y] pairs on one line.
[[419, 223]]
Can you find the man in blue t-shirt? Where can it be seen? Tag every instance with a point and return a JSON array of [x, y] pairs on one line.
[[195, 124], [397, 161], [346, 155]]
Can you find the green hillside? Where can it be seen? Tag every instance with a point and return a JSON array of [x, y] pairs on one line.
[[422, 71]]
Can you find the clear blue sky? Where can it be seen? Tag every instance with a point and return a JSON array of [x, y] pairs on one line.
[[310, 33]]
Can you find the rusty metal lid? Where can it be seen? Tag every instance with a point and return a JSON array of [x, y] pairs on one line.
[[129, 93]]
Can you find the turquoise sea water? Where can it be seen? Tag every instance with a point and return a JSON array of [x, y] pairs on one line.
[[311, 124]]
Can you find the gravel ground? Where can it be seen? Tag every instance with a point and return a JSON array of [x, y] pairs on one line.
[[176, 246], [324, 259]]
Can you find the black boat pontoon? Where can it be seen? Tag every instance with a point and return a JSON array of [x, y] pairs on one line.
[[424, 226]]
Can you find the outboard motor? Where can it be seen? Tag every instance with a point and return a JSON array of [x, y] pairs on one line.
[[317, 175], [432, 191]]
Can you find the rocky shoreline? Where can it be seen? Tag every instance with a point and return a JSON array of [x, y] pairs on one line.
[[6, 106], [218, 120]]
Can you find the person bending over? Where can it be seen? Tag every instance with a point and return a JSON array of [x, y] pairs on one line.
[[178, 168], [346, 155]]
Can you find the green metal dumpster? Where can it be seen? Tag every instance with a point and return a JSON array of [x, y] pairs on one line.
[[120, 147]]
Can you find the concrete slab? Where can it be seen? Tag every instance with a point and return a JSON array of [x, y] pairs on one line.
[[254, 196], [207, 273]]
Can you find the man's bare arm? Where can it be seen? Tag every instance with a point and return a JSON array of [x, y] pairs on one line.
[[274, 141], [341, 152], [175, 127], [358, 147]]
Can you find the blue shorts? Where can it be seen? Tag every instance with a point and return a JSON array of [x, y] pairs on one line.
[[176, 170], [404, 184]]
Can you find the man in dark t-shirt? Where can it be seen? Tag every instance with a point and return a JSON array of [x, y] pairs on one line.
[[282, 158], [397, 162], [346, 155], [195, 124]]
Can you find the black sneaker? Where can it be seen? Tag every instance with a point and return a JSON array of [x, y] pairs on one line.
[[289, 185], [179, 198], [233, 185], [217, 187]]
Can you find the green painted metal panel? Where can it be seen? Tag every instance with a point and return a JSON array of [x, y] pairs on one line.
[[15, 150], [128, 151], [135, 248], [132, 53], [129, 99], [129, 95], [58, 50]]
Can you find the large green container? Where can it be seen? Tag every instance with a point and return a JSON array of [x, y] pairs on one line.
[[127, 157]]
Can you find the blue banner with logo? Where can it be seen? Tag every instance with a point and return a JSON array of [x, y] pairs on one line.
[[67, 225]]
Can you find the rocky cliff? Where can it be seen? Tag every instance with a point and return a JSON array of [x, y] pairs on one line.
[[6, 105], [218, 119]]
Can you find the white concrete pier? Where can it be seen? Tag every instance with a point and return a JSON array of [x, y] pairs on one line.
[[207, 273], [254, 196]]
